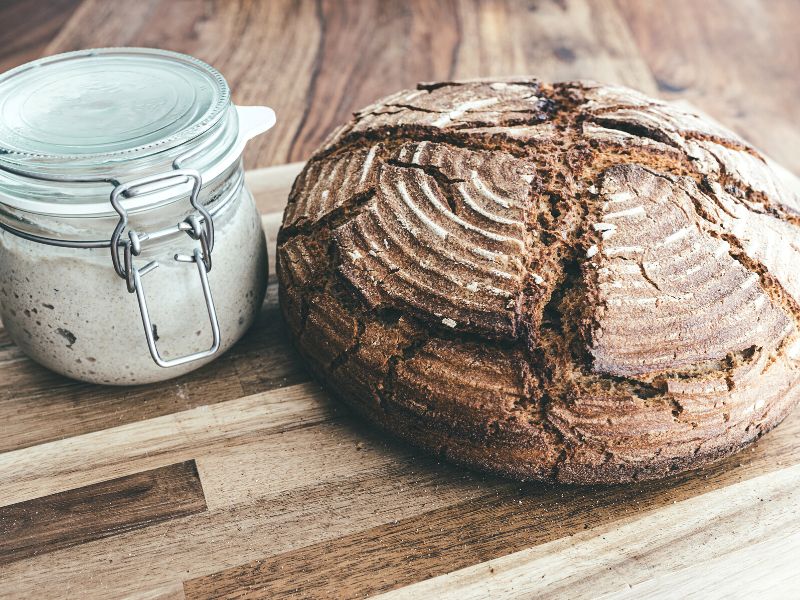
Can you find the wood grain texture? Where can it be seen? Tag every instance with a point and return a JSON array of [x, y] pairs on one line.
[[738, 61], [303, 499], [100, 510], [624, 562], [316, 61], [128, 449], [246, 527], [438, 542], [26, 28]]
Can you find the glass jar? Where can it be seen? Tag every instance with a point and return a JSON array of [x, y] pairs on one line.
[[130, 249]]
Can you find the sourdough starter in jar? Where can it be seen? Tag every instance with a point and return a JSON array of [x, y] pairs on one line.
[[62, 298]]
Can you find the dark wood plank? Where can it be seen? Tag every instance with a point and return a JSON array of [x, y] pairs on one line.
[[370, 49], [554, 40], [37, 405], [99, 511], [26, 28], [507, 520], [738, 61]]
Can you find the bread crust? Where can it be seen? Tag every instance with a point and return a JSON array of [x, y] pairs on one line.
[[561, 282]]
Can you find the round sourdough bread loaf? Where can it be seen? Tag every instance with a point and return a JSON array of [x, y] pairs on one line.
[[569, 282]]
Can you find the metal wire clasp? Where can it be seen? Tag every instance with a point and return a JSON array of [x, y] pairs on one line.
[[199, 226]]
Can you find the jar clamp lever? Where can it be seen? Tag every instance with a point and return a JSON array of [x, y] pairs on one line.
[[200, 228]]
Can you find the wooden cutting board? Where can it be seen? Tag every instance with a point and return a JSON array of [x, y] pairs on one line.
[[246, 480]]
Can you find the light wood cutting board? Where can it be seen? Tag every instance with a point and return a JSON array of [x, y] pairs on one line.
[[246, 480]]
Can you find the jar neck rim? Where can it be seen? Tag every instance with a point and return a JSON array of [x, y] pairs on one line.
[[86, 194], [79, 231]]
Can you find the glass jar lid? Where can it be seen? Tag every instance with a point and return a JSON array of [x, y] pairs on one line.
[[73, 126], [106, 105]]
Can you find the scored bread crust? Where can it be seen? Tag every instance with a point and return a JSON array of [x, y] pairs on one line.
[[563, 282]]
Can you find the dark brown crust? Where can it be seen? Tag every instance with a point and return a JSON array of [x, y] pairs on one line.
[[566, 282]]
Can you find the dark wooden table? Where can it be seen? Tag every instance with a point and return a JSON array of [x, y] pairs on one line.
[[245, 480], [316, 62]]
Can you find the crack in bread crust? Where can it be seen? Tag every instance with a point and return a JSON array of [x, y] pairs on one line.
[[568, 282]]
